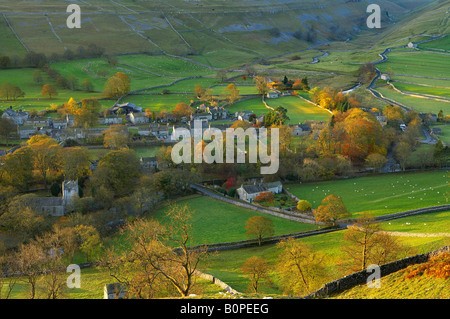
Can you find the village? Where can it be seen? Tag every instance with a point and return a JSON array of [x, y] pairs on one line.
[[191, 150]]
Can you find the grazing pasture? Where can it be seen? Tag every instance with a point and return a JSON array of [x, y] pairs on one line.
[[381, 194]]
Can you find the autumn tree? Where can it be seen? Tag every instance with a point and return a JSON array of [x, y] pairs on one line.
[[87, 114], [232, 93], [365, 245], [86, 85], [74, 162], [45, 153], [116, 86], [354, 134], [152, 267], [9, 91], [266, 197], [376, 161], [182, 110], [257, 270], [199, 91], [49, 90], [394, 115], [402, 153], [7, 126], [17, 168], [89, 241], [331, 210], [277, 116], [68, 240], [302, 270], [259, 227], [7, 264], [116, 137], [21, 219], [30, 259], [261, 84], [117, 172], [54, 280]]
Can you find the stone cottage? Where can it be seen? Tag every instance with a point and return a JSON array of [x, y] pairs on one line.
[[249, 192]]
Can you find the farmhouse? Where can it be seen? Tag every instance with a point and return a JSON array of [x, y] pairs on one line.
[[159, 131], [202, 116], [273, 94], [249, 192], [243, 115], [301, 130], [110, 119], [149, 162], [218, 113], [38, 121], [26, 131], [58, 124], [138, 118], [18, 117], [126, 108]]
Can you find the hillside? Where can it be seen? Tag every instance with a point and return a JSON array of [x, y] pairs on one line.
[[423, 281], [242, 30]]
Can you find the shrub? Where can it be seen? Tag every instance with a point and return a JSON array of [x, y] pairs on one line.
[[437, 266], [304, 205], [265, 197], [222, 190], [232, 192], [55, 189]]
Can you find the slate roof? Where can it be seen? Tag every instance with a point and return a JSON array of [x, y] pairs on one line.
[[255, 189]]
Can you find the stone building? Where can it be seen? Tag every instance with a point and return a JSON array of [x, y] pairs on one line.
[[249, 192], [55, 206]]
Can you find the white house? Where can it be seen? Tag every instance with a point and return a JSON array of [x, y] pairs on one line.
[[138, 118], [249, 192], [273, 94]]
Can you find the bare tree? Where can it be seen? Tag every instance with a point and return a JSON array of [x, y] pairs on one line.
[[158, 267]]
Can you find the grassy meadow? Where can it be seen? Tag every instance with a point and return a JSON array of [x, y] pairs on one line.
[[222, 222], [380, 194], [299, 110]]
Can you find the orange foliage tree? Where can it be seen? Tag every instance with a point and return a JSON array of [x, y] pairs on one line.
[[265, 197], [331, 210]]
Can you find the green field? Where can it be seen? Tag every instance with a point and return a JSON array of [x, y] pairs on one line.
[[381, 194], [299, 110], [417, 63], [255, 105], [23, 78], [414, 88], [226, 265], [426, 223], [418, 104], [159, 102], [445, 137], [443, 44], [215, 221]]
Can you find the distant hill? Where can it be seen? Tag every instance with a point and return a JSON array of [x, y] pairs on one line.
[[248, 29]]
